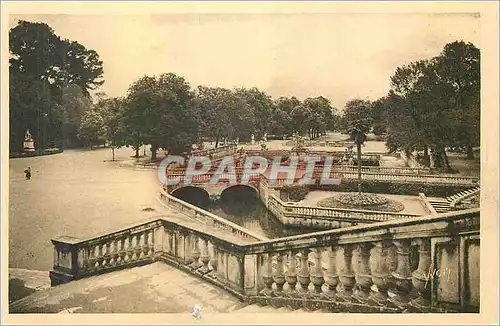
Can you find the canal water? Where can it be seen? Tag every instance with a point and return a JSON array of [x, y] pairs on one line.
[[241, 205]]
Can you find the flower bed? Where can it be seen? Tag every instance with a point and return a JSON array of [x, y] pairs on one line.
[[364, 201]]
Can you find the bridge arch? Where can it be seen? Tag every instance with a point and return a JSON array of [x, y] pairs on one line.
[[194, 195], [239, 200]]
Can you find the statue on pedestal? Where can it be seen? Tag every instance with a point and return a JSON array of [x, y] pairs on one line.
[[28, 145], [253, 140], [265, 137]]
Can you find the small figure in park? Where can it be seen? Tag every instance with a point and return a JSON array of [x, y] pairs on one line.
[[27, 172]]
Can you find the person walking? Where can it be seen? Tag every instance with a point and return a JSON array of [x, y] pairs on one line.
[[27, 172]]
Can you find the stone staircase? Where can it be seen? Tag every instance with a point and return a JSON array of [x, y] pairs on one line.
[[442, 205], [462, 194]]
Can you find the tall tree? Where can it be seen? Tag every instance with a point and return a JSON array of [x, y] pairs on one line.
[[215, 106], [92, 129], [112, 111], [358, 134], [41, 65], [356, 111], [458, 65], [160, 112], [321, 115]]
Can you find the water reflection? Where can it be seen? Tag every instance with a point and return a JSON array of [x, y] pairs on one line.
[[242, 206]]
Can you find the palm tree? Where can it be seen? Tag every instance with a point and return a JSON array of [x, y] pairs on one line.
[[358, 134]]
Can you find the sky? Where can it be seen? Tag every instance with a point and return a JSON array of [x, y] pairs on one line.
[[338, 56]]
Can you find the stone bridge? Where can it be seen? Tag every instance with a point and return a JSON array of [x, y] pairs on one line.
[[213, 189]]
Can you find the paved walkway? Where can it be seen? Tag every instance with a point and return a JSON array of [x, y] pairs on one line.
[[155, 288]]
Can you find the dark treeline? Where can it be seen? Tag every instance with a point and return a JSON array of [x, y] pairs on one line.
[[433, 104]]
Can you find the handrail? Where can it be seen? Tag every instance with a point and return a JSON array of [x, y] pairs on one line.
[[255, 272], [333, 209], [234, 227], [427, 205], [426, 178], [396, 228], [454, 202], [103, 236]]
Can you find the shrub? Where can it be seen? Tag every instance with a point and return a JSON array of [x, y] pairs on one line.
[[296, 192], [400, 188]]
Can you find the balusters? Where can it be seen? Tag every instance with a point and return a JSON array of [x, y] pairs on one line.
[[114, 253], [215, 260], [346, 275], [151, 242], [402, 274], [100, 257], [303, 275], [267, 275], [420, 277], [205, 258], [122, 252], [291, 273], [332, 278], [363, 276], [380, 274], [316, 276], [92, 257], [137, 248], [106, 256], [279, 276], [195, 254], [130, 249], [145, 245]]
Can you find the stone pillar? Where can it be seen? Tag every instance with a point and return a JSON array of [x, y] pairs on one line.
[[363, 277], [316, 276], [66, 266], [347, 277], [332, 279], [279, 277], [380, 274], [402, 275], [291, 274], [267, 275], [205, 258], [420, 277], [303, 276]]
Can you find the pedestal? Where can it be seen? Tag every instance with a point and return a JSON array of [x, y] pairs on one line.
[[29, 146]]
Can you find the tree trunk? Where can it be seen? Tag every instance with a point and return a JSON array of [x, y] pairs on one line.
[[445, 159], [90, 146], [432, 159], [358, 147], [426, 153], [470, 152], [154, 148], [216, 141], [136, 151], [113, 150]]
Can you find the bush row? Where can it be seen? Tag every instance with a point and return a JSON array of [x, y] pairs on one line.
[[384, 187]]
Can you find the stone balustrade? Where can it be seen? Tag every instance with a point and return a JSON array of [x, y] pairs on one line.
[[426, 204], [207, 218], [326, 217], [464, 197], [132, 246], [216, 152], [345, 172], [417, 178], [368, 268]]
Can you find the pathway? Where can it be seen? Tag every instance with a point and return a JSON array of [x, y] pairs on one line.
[[154, 288]]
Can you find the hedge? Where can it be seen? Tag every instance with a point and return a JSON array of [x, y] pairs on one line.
[[400, 188]]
